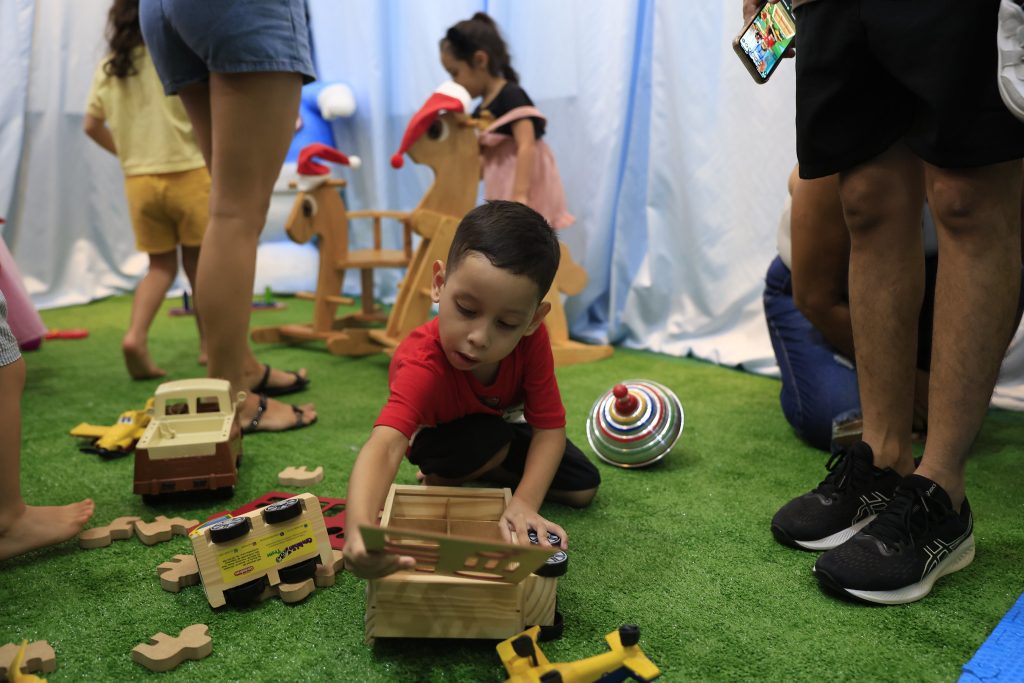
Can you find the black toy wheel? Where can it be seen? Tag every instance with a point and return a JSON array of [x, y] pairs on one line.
[[554, 631], [152, 498], [629, 635], [275, 513], [246, 593], [224, 492], [230, 529], [555, 566], [297, 573]]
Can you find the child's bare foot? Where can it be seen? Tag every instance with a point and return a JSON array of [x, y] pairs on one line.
[[39, 526], [136, 357], [260, 413]]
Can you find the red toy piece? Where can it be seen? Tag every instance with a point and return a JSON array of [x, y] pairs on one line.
[[333, 510], [76, 333]]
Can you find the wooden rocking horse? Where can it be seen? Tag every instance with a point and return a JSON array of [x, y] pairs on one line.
[[442, 137], [320, 211]]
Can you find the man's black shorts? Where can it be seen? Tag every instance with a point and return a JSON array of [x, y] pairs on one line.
[[457, 449], [873, 72]]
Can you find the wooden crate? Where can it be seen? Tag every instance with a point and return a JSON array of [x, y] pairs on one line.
[[495, 595]]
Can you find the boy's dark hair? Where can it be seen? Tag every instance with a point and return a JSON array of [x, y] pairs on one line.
[[124, 34], [480, 33], [513, 237]]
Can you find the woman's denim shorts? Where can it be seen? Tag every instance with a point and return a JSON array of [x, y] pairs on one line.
[[189, 39]]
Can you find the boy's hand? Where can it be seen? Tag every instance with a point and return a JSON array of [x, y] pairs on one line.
[[367, 565], [519, 518]]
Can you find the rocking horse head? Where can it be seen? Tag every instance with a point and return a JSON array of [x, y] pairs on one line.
[[443, 137], [317, 194]]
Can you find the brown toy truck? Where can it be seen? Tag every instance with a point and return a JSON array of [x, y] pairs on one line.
[[187, 445]]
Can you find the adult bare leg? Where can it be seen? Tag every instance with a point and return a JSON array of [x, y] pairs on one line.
[[882, 202], [977, 216], [190, 264]]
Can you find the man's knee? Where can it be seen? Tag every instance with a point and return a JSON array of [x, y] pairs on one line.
[[963, 206]]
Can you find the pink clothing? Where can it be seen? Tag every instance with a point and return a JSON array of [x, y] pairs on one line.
[[22, 316], [547, 197]]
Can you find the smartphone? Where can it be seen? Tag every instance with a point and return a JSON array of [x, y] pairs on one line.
[[762, 42]]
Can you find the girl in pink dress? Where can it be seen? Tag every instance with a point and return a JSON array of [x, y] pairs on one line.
[[517, 163]]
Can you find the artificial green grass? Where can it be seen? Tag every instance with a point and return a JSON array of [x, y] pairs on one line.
[[683, 549]]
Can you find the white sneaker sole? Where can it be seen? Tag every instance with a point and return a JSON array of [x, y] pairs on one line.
[[957, 560], [836, 539]]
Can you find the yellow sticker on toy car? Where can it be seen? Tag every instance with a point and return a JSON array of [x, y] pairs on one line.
[[251, 560]]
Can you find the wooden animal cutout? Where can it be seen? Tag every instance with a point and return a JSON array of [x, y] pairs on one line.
[[178, 572], [162, 528], [26, 658], [164, 652], [570, 280], [300, 476], [102, 536]]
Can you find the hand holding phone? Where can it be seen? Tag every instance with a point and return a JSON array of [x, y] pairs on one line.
[[765, 39]]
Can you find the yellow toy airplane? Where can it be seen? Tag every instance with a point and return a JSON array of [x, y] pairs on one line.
[[119, 438], [525, 662]]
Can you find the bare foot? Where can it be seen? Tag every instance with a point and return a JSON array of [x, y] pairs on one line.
[[276, 416], [40, 526], [202, 359], [136, 357]]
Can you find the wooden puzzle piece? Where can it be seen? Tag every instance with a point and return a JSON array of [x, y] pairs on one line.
[[325, 575], [38, 657], [300, 476], [179, 572], [164, 652], [102, 536], [295, 592], [162, 528]]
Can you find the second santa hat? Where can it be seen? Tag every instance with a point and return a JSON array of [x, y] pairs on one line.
[[449, 96]]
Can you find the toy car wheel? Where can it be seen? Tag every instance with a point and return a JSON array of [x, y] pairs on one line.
[[230, 529], [554, 631], [554, 566], [246, 593], [224, 492], [152, 498], [275, 513], [297, 573]]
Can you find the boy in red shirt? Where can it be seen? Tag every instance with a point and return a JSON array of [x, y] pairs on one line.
[[459, 382]]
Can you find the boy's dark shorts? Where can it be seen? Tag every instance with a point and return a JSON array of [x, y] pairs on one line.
[[457, 449], [872, 72]]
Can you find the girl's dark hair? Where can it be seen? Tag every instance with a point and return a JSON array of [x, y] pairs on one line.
[[480, 33], [513, 237], [124, 34]]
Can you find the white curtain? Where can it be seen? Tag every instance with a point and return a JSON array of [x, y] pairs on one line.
[[674, 161]]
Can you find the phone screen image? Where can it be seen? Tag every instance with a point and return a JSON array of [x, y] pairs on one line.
[[767, 36]]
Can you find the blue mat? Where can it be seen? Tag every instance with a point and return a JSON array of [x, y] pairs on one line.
[[1001, 656]]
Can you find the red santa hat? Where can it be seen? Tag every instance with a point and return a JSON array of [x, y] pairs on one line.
[[449, 96], [312, 174]]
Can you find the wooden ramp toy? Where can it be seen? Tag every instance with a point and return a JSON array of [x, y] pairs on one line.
[[162, 528], [467, 582], [300, 476], [102, 536], [164, 652], [280, 543], [26, 658]]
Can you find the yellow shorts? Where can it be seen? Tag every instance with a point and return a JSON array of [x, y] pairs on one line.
[[168, 209]]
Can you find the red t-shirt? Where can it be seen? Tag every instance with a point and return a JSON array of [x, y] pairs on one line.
[[426, 390]]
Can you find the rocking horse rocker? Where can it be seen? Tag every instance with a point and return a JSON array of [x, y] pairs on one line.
[[320, 211]]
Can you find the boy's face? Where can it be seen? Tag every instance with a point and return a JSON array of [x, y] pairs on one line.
[[483, 312]]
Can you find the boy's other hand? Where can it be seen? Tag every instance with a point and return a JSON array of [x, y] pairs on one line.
[[519, 518], [372, 565], [750, 8]]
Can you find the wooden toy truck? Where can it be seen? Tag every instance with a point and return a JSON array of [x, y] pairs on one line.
[[187, 445], [282, 543], [467, 583]]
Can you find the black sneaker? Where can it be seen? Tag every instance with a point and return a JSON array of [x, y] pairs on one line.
[[899, 556], [850, 496]]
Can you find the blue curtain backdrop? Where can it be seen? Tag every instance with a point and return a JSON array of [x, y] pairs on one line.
[[674, 161]]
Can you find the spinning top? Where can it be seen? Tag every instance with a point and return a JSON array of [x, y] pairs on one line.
[[635, 424]]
